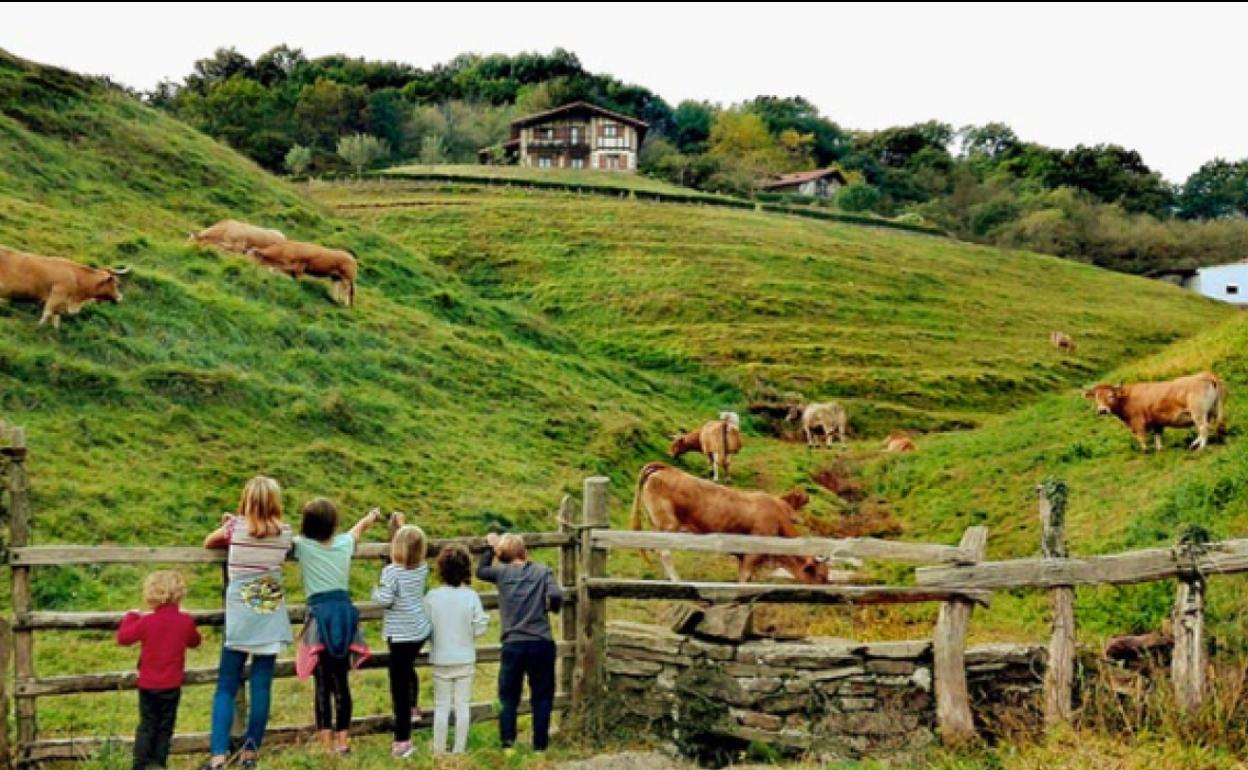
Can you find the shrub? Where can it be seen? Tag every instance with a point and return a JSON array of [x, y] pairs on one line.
[[362, 150], [858, 196], [297, 160]]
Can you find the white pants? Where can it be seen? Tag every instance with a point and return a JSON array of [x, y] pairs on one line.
[[452, 685]]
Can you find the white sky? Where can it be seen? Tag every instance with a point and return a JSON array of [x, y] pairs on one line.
[[1167, 80]]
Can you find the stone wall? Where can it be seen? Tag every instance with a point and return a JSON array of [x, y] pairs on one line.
[[835, 696]]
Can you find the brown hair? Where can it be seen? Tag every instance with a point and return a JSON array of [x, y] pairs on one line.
[[320, 519], [511, 547], [163, 587], [407, 548], [455, 565], [261, 507]]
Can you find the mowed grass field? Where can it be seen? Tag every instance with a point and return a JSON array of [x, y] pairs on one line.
[[508, 343]]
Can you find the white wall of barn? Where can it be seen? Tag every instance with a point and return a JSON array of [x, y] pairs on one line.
[[1228, 283]]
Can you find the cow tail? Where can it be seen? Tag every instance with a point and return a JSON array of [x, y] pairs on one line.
[[635, 521]]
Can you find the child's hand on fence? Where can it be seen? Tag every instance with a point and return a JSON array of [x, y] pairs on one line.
[[492, 540], [397, 520]]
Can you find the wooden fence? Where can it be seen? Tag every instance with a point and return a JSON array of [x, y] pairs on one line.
[[955, 576]]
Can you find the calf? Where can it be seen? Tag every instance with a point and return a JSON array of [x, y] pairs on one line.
[[61, 285], [1062, 341], [898, 442], [1151, 407]]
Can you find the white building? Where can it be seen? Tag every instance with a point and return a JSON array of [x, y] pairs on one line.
[[1228, 283]]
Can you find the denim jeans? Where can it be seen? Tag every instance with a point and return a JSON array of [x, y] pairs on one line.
[[229, 680], [534, 660]]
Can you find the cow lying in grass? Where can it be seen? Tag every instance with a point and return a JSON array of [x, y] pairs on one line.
[[1151, 407], [236, 236], [678, 502]]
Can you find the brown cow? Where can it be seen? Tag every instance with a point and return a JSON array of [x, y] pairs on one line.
[[719, 440], [679, 502], [898, 442], [61, 285], [1062, 341], [296, 258], [233, 235], [1151, 407]]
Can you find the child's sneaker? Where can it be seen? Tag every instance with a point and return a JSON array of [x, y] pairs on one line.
[[402, 749]]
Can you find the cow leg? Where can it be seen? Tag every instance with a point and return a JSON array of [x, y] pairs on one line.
[[665, 558], [727, 463], [1202, 435], [746, 565], [714, 467], [809, 440], [1157, 434]]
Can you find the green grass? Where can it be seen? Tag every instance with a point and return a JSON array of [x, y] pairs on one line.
[[506, 343], [559, 176]]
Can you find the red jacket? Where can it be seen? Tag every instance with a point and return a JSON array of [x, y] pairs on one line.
[[166, 634]]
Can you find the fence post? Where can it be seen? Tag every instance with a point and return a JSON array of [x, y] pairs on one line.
[[19, 536], [1059, 675], [568, 557], [953, 700], [6, 649], [1187, 666], [588, 681]]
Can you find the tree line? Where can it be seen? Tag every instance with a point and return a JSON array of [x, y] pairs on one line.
[[1100, 204]]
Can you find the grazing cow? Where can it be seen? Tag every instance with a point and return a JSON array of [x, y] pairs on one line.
[[731, 417], [829, 418], [719, 440], [1151, 407], [1062, 341], [898, 442], [233, 235], [61, 285], [296, 258], [679, 502]]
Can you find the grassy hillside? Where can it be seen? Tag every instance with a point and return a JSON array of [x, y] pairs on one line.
[[910, 330], [578, 178]]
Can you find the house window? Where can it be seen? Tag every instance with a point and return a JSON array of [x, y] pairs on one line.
[[610, 130], [543, 161], [578, 163], [1232, 288], [574, 134], [546, 133]]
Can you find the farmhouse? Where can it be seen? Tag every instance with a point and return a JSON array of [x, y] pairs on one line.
[[577, 135], [1228, 283], [820, 183]]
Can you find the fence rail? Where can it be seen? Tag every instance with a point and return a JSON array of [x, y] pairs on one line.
[[837, 548], [621, 588]]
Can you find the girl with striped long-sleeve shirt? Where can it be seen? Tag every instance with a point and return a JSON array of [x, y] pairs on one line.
[[405, 625]]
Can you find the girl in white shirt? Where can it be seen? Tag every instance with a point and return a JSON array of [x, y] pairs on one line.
[[457, 617]]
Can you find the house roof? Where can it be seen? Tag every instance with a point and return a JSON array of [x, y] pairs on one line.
[[800, 177], [539, 117]]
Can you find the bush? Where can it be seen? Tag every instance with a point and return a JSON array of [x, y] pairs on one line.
[[298, 159], [362, 150], [858, 196]]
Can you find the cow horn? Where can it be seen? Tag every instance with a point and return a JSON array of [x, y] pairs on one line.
[[821, 559], [123, 270]]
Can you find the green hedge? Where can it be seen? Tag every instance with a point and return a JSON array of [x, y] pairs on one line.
[[853, 219]]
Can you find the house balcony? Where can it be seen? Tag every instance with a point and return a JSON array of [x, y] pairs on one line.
[[579, 145]]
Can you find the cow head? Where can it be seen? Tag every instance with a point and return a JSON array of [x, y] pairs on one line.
[[682, 442], [1107, 398], [794, 414], [796, 498], [810, 569], [107, 286]]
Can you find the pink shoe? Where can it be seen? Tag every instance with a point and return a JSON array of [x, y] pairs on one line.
[[402, 749]]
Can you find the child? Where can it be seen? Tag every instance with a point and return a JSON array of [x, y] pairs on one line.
[[257, 623], [165, 634], [526, 592], [405, 625], [331, 634], [457, 616]]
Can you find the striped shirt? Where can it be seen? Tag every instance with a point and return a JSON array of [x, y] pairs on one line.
[[254, 555], [401, 593]]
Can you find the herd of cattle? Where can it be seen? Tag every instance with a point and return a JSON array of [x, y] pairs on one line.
[[66, 287], [675, 501]]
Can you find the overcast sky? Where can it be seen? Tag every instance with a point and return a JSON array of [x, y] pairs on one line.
[[1167, 80]]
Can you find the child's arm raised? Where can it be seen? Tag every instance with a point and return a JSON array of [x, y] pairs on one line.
[[485, 567], [131, 628], [554, 594], [366, 521], [220, 537]]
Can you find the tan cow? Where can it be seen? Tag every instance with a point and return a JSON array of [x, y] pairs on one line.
[[678, 502], [61, 285], [1062, 341], [899, 442], [296, 258], [236, 236], [718, 440], [828, 418], [1151, 407]]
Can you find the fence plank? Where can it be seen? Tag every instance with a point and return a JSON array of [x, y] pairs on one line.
[[25, 712], [57, 555], [1059, 674], [778, 593], [589, 680], [1187, 666], [568, 558], [1143, 566], [6, 652], [843, 548], [109, 620], [191, 743], [953, 701], [128, 680]]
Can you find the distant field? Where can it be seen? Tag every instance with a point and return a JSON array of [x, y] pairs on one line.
[[583, 177]]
